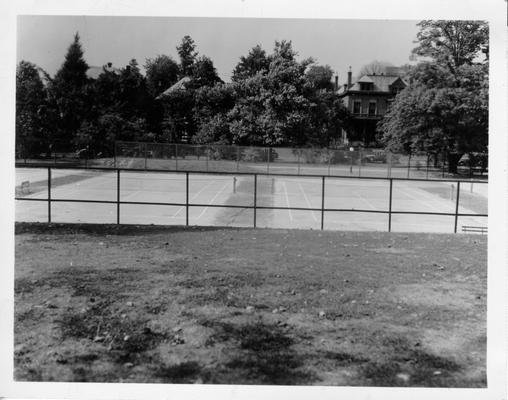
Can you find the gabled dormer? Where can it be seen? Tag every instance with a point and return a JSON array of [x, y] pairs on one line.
[[366, 83], [396, 86]]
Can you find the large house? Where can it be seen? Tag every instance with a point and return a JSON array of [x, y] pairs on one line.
[[368, 100]]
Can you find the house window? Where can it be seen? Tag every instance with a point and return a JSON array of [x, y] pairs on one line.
[[372, 107], [357, 107], [365, 86]]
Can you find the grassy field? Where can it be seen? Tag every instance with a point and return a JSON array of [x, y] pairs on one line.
[[99, 303]]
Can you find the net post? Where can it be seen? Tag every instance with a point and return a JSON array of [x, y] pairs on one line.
[[457, 207], [49, 195], [390, 206], [322, 202], [234, 184], [255, 198], [118, 196], [187, 198]]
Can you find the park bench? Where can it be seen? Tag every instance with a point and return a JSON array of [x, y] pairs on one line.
[[476, 229]]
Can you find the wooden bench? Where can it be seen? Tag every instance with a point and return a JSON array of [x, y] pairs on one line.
[[475, 229]]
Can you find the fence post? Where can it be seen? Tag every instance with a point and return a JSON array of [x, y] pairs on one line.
[[390, 207], [207, 156], [268, 160], [176, 156], [237, 158], [457, 207], [322, 202], [298, 161], [255, 198], [389, 165], [114, 155], [146, 153], [49, 195], [329, 161], [118, 196], [443, 162], [359, 163], [428, 160], [408, 165], [187, 198]]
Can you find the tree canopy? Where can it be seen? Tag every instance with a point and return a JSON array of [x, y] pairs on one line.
[[444, 109]]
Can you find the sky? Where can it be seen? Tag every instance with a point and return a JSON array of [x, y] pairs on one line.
[[44, 40]]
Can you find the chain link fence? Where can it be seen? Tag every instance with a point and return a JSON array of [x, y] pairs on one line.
[[226, 158]]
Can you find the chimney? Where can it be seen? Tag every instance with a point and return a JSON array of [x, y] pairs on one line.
[[336, 82], [349, 77]]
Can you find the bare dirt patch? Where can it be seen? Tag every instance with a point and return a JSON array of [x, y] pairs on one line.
[[101, 303]]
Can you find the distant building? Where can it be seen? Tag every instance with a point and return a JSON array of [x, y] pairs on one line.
[[94, 72], [368, 100]]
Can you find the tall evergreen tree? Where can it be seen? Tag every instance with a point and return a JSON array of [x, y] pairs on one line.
[[187, 52], [70, 94]]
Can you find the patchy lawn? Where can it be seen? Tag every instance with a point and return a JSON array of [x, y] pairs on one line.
[[98, 303]]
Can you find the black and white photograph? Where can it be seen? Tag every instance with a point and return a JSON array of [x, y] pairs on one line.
[[257, 201]]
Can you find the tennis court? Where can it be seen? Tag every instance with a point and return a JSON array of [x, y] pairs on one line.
[[367, 197]]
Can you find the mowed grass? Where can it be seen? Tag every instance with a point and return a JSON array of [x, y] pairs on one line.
[[101, 303]]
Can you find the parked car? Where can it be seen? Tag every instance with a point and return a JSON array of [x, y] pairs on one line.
[[377, 157], [474, 164]]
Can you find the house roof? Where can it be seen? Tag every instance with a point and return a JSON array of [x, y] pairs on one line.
[[180, 85], [381, 83]]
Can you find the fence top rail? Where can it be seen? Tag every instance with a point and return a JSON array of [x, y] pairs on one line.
[[260, 173]]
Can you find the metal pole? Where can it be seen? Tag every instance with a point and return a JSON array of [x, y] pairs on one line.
[[176, 156], [359, 163], [298, 161], [408, 165], [390, 206], [268, 160], [457, 207], [255, 198], [237, 158], [49, 195], [114, 155], [187, 198], [428, 160], [118, 197], [329, 162], [443, 162], [207, 156], [145, 146], [322, 202], [234, 184]]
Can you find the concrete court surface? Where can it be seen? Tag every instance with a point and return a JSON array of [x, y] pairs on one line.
[[219, 189]]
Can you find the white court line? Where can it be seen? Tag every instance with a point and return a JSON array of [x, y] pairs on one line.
[[364, 199], [307, 200], [421, 201], [211, 201], [193, 197], [287, 200]]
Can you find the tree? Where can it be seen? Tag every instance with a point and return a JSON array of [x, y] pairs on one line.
[[161, 73], [31, 111], [320, 77], [452, 43], [70, 94], [445, 107], [203, 73], [256, 61], [187, 52], [374, 68]]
